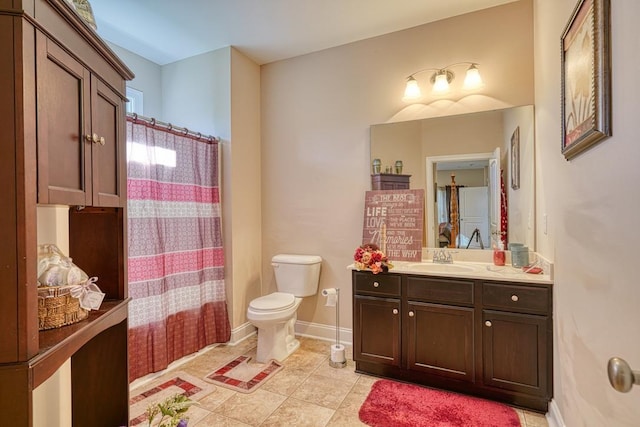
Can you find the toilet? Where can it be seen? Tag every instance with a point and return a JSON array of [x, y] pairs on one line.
[[274, 315]]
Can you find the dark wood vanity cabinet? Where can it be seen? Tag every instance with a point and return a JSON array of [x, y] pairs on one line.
[[61, 82], [491, 339]]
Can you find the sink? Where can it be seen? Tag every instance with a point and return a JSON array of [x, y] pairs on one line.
[[440, 268]]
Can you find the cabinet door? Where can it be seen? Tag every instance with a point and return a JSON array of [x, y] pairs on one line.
[[107, 124], [440, 340], [516, 352], [63, 98], [376, 330]]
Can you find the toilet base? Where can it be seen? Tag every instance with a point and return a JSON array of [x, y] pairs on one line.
[[276, 341]]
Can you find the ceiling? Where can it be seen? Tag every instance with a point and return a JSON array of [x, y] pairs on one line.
[[165, 31]]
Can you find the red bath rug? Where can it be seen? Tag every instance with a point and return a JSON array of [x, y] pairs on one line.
[[242, 374], [394, 404]]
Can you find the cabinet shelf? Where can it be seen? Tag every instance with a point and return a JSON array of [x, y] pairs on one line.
[[58, 345]]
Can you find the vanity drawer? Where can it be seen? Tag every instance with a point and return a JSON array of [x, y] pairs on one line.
[[387, 285], [519, 298], [432, 289]]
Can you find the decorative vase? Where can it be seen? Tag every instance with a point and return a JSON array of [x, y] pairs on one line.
[[398, 167], [83, 7], [376, 166]]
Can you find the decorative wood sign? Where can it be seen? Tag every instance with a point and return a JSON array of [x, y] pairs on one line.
[[394, 220]]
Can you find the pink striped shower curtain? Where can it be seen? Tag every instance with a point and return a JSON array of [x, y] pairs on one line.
[[175, 266]]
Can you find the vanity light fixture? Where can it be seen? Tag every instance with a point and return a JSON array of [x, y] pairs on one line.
[[442, 78]]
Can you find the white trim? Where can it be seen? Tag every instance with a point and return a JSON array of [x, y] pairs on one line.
[[323, 332], [135, 101], [241, 333], [554, 417], [430, 199]]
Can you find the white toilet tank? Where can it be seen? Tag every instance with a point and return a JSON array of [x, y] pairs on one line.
[[297, 274]]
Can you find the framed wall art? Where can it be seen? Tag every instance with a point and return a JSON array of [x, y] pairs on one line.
[[515, 159], [586, 77]]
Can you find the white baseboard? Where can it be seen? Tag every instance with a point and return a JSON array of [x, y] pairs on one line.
[[324, 332], [241, 333], [554, 417]]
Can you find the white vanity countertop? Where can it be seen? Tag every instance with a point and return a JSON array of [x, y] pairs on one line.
[[474, 264], [471, 270]]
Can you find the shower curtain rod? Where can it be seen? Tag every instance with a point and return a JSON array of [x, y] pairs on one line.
[[175, 129]]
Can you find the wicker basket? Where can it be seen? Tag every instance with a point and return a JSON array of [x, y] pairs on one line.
[[56, 307]]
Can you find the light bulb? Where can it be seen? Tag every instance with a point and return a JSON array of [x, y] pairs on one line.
[[472, 79], [441, 84], [412, 91]]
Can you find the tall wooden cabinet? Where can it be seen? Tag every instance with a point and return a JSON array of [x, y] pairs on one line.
[[62, 141]]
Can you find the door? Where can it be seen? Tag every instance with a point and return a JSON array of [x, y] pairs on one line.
[[440, 340], [376, 330], [473, 206], [515, 352], [107, 146], [63, 99]]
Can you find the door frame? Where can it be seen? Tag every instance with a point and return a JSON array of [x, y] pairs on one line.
[[430, 199]]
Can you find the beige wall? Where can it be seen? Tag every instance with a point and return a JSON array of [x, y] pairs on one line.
[[592, 203], [243, 169], [316, 113], [148, 80]]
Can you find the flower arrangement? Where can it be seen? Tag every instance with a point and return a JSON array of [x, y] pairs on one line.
[[370, 257], [171, 411]]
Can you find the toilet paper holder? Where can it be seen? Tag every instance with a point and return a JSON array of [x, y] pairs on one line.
[[337, 359]]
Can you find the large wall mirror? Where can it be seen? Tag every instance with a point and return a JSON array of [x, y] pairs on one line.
[[434, 149]]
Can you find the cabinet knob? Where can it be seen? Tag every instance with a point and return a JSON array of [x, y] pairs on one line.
[[488, 323], [514, 298], [411, 314], [376, 284], [395, 311], [95, 139]]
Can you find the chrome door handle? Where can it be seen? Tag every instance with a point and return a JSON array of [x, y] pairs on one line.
[[621, 377]]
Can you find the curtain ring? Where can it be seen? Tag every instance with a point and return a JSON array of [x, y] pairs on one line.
[[199, 135], [153, 121], [170, 126], [135, 117], [186, 131]]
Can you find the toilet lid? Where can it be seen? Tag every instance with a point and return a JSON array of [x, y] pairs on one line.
[[274, 301]]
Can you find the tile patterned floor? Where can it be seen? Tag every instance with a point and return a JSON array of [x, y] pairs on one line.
[[307, 392]]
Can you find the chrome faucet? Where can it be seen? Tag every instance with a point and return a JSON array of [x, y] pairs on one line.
[[442, 256]]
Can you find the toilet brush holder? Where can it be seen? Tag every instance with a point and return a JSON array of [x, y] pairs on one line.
[[338, 358]]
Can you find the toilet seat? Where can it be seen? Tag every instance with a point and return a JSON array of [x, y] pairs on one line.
[[273, 302]]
